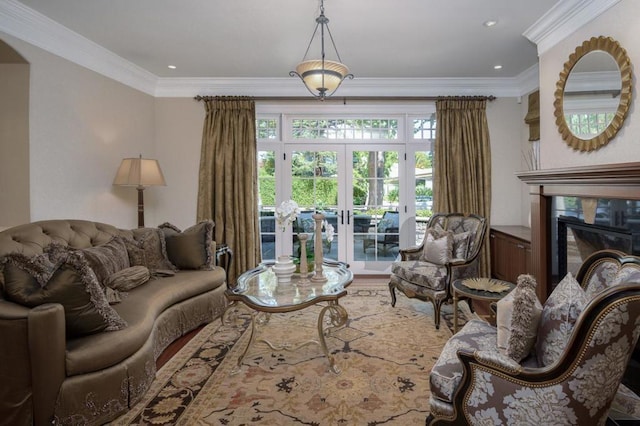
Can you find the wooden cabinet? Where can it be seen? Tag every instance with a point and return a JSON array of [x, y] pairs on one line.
[[510, 252]]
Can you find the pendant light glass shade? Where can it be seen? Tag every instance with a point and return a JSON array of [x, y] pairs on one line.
[[322, 77], [323, 80]]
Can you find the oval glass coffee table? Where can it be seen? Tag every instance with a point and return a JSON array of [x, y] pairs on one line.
[[259, 290]]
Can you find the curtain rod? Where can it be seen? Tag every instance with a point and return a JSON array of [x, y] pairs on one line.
[[344, 99]]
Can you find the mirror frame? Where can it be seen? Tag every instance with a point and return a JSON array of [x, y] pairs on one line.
[[619, 54]]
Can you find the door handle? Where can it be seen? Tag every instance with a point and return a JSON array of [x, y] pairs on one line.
[[348, 218], [341, 217]]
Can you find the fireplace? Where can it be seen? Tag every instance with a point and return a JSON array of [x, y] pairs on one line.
[[617, 182], [577, 240]]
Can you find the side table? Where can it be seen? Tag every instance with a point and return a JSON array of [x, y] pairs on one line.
[[459, 289], [224, 256]]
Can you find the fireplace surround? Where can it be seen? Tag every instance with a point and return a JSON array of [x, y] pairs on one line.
[[610, 181]]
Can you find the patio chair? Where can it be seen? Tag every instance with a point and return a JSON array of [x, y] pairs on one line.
[[387, 233]]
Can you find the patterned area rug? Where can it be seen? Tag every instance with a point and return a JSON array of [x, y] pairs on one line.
[[384, 353]]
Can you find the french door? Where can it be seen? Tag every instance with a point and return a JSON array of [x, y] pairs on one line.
[[357, 187]]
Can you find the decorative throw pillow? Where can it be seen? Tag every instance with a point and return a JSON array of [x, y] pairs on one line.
[[108, 258], [191, 248], [148, 248], [69, 281], [128, 278], [517, 318], [561, 310], [438, 247], [461, 244]]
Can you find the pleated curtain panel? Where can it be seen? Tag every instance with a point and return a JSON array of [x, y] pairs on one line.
[[462, 162], [227, 184]]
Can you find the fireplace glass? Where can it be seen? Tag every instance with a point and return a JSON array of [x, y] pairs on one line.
[[583, 226]]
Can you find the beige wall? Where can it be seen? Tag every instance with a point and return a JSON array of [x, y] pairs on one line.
[[81, 125], [178, 138], [14, 143], [621, 23], [507, 128]]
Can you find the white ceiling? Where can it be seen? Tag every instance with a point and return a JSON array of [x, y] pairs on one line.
[[247, 47], [267, 38]]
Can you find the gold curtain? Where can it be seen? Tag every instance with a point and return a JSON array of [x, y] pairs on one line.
[[227, 182], [462, 162]]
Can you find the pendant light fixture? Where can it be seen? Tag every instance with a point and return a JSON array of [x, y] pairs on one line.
[[321, 77]]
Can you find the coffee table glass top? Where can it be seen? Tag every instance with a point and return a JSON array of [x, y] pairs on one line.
[[259, 288]]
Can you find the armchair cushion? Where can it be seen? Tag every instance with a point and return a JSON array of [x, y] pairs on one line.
[[461, 244], [447, 371], [517, 319], [423, 274], [561, 310], [438, 247]]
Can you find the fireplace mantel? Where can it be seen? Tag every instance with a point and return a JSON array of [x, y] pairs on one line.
[[620, 180]]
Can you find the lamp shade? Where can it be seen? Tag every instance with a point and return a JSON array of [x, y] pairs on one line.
[[312, 71], [140, 172]]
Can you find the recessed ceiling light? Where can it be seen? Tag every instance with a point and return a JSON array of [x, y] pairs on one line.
[[497, 67], [173, 67], [490, 23]]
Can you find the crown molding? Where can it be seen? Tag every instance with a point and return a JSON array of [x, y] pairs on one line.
[[34, 28], [358, 87], [563, 19]]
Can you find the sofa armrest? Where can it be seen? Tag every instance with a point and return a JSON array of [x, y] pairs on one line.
[[32, 361]]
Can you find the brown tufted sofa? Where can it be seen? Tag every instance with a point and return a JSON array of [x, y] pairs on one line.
[[46, 378]]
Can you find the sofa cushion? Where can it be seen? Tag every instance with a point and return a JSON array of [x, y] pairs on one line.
[[107, 259], [560, 313], [148, 248], [139, 309], [65, 278], [517, 318], [128, 278], [191, 248], [447, 372]]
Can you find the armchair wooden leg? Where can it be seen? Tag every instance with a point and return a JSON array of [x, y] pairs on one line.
[[392, 290]]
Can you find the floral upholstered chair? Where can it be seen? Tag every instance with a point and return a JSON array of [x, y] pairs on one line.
[[586, 335], [449, 251]]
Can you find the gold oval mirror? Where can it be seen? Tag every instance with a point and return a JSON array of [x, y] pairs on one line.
[[593, 94]]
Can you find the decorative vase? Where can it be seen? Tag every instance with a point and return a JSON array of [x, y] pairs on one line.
[[284, 269]]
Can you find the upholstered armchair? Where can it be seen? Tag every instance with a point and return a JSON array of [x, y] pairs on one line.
[[449, 251], [475, 383]]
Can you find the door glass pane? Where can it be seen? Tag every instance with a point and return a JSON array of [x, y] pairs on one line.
[[314, 181], [424, 192], [266, 203], [376, 220]]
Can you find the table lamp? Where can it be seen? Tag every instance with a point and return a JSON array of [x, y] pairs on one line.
[[141, 173]]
